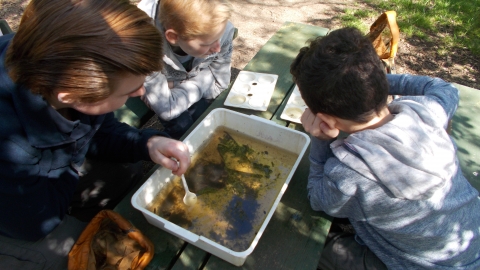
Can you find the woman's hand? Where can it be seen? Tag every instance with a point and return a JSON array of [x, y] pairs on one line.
[[163, 149], [318, 125]]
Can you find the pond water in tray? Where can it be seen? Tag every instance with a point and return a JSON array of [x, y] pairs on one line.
[[236, 179]]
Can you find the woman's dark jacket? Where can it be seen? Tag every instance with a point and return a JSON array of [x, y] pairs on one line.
[[40, 151]]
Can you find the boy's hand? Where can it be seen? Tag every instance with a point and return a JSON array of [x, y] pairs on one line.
[[317, 127], [170, 85], [162, 150]]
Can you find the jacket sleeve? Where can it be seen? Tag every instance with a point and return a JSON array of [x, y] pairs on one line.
[[208, 83], [327, 175], [170, 103], [434, 89], [320, 152], [220, 68], [35, 190], [120, 142]]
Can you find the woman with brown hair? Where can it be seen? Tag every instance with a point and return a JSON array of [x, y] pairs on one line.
[[71, 63]]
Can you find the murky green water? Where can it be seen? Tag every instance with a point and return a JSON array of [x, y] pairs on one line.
[[236, 179]]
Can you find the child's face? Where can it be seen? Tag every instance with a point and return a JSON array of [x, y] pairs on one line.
[[124, 87], [203, 46]]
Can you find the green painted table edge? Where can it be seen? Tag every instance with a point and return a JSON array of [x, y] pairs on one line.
[[4, 27], [466, 133]]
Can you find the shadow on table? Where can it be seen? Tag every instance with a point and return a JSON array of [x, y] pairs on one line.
[[466, 132]]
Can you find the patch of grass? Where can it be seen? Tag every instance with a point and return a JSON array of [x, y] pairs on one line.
[[357, 18], [451, 23]]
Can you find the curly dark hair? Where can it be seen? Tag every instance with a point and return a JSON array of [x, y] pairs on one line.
[[341, 75]]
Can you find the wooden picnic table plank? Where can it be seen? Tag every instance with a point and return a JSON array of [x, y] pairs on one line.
[[466, 133], [4, 27], [191, 258]]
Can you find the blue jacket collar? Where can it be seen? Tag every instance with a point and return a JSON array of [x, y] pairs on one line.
[[40, 120], [43, 125]]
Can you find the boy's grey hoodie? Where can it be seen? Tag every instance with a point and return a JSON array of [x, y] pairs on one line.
[[207, 79], [401, 185]]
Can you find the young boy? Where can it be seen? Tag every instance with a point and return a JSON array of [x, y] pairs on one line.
[[396, 177], [70, 65], [197, 56]]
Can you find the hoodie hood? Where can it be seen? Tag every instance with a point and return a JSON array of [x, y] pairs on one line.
[[412, 155]]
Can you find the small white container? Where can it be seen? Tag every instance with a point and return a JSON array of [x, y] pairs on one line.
[[295, 107], [253, 126], [252, 90]]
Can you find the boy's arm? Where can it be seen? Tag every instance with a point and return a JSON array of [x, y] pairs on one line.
[[208, 83], [170, 103], [326, 172], [319, 153], [320, 191], [220, 68], [437, 89]]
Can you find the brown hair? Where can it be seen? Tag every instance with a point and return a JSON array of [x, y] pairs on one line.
[[78, 46], [341, 75], [193, 18]]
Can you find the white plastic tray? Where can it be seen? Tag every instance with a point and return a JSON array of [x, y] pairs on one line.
[[252, 90], [295, 107], [254, 126]]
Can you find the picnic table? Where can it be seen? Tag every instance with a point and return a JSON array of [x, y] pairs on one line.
[[295, 235], [465, 130]]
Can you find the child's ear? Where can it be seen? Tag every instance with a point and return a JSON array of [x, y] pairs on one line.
[[171, 36], [328, 119], [64, 98]]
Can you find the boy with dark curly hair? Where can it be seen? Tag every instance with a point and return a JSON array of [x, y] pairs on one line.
[[396, 176]]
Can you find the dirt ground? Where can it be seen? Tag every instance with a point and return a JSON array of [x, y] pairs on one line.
[[258, 20]]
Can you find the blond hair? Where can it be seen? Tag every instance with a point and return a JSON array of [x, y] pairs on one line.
[[80, 46], [193, 18]]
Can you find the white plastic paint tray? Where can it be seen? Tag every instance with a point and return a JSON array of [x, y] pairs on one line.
[[252, 90], [295, 107], [262, 130]]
